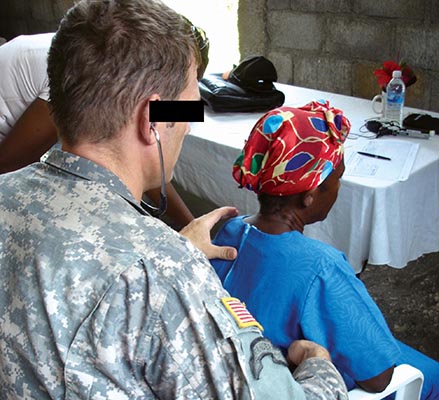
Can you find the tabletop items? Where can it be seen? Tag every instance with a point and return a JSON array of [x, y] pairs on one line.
[[395, 96], [248, 87], [421, 122], [385, 128]]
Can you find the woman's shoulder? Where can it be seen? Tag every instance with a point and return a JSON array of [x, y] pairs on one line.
[[322, 248], [231, 228], [294, 244], [326, 256]]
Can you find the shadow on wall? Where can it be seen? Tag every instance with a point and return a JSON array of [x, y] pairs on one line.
[[23, 17]]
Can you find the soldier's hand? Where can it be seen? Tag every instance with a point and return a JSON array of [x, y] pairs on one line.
[[300, 350], [198, 232]]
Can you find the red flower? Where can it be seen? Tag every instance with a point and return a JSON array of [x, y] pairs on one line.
[[384, 74]]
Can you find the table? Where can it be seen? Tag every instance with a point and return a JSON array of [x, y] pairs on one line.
[[383, 222]]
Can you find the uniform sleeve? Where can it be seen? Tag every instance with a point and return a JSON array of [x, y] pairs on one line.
[[320, 380], [270, 378], [209, 356], [340, 315], [205, 355]]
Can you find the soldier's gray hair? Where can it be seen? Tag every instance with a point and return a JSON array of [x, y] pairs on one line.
[[107, 56]]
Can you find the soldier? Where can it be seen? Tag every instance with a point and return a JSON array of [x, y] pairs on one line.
[[26, 127], [98, 299]]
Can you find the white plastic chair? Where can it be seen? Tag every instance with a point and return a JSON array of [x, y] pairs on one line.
[[406, 382]]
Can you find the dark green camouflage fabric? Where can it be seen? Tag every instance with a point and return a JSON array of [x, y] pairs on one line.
[[99, 300]]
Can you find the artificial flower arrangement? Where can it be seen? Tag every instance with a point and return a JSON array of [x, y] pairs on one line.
[[384, 74]]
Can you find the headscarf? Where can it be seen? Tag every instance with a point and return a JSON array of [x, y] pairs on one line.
[[292, 150]]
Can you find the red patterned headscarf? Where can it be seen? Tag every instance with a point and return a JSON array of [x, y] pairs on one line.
[[292, 150]]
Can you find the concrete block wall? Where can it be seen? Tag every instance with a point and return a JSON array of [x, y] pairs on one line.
[[336, 45], [332, 45]]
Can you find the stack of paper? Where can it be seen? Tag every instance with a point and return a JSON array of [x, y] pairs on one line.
[[387, 160]]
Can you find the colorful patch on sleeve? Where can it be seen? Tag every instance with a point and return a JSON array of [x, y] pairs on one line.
[[240, 313]]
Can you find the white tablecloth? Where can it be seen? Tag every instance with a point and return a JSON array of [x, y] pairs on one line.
[[384, 222]]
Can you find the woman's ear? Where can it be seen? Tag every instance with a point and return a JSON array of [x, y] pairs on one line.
[[308, 198]]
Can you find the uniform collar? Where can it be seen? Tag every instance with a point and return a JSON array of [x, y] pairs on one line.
[[86, 169]]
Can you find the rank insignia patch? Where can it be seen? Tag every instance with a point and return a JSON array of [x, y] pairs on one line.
[[240, 314], [260, 348]]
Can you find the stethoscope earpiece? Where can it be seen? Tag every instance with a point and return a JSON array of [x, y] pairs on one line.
[[158, 211]]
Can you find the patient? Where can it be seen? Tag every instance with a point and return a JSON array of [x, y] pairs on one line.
[[295, 286]]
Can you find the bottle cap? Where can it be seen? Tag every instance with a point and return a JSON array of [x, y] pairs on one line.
[[396, 74]]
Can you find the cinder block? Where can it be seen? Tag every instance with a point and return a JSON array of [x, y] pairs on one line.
[[284, 66], [14, 27], [295, 31], [433, 48], [60, 7], [434, 95], [360, 39], [418, 94], [391, 8], [251, 27], [433, 12], [41, 10], [419, 46], [5, 10], [18, 9], [278, 4], [326, 74], [364, 83], [36, 26], [333, 6]]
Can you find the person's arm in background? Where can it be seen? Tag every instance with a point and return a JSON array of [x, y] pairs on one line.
[[177, 210], [32, 135]]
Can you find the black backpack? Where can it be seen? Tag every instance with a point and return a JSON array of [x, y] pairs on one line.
[[248, 88]]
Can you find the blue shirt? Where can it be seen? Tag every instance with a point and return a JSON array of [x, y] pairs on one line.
[[297, 288]]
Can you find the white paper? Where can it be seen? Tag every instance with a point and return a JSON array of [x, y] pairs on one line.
[[402, 156]]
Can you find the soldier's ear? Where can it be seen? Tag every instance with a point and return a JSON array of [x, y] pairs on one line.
[[145, 127]]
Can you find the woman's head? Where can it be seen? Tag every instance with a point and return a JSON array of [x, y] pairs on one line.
[[313, 205], [292, 150]]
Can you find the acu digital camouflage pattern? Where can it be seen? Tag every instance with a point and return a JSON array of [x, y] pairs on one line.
[[100, 301]]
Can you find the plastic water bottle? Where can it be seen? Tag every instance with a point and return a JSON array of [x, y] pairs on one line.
[[395, 99]]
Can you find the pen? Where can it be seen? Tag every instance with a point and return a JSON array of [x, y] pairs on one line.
[[373, 155]]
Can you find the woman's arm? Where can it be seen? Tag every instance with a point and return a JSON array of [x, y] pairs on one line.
[[177, 209], [378, 383], [31, 136], [350, 325]]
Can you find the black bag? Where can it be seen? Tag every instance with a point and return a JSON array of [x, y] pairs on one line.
[[421, 122], [249, 88]]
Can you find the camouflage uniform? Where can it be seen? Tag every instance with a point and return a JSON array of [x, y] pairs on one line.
[[98, 300]]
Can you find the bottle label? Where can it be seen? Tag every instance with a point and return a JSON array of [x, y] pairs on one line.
[[395, 98]]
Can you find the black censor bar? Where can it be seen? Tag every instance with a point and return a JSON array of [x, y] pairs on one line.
[[176, 111]]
